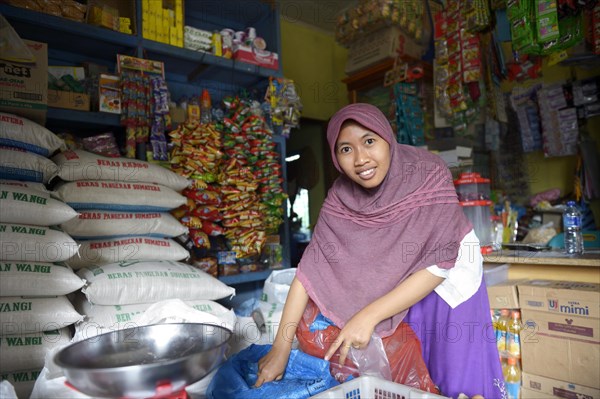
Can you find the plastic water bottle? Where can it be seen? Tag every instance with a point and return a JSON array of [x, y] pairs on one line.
[[572, 229]]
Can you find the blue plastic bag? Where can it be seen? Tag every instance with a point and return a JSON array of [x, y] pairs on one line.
[[304, 376]]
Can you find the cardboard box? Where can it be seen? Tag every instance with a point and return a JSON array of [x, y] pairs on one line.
[[254, 56], [24, 87], [68, 100], [504, 295], [385, 43], [561, 297], [548, 387], [562, 347], [531, 394], [109, 94]]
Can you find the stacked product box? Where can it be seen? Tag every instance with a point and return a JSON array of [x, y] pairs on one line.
[[162, 21], [561, 341]]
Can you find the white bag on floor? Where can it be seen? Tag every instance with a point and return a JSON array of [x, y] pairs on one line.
[[270, 307], [50, 383], [150, 281], [7, 391], [22, 381], [24, 205], [83, 165], [100, 252]]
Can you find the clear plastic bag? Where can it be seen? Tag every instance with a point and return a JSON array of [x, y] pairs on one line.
[[12, 48], [372, 360]]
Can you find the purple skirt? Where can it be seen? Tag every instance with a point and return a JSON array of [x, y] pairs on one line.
[[459, 345]]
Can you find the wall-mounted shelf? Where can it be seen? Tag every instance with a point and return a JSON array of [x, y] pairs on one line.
[[71, 43]]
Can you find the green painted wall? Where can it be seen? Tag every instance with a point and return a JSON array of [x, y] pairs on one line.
[[316, 64]]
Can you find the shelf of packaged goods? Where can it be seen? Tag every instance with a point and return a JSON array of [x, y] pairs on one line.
[[201, 65], [92, 41]]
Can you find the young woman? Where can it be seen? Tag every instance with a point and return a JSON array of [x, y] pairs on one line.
[[392, 248]]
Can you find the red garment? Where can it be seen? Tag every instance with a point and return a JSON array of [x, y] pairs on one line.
[[403, 350]]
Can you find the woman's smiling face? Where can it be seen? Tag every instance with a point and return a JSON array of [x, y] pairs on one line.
[[362, 154]]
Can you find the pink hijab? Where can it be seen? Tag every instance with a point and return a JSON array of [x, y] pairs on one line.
[[367, 241]]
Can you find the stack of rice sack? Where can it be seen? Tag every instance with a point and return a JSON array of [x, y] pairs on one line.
[[34, 310], [123, 205], [196, 154]]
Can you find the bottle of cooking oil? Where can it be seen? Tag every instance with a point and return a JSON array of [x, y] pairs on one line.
[[512, 378], [502, 329], [513, 335]]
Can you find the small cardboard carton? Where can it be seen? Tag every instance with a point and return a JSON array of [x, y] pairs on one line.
[[379, 45], [24, 86], [504, 295], [68, 100], [542, 387], [251, 55], [531, 394], [561, 297]]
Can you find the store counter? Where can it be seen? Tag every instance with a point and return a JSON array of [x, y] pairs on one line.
[[548, 265]]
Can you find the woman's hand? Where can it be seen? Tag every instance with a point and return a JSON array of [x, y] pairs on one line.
[[356, 333], [272, 366]]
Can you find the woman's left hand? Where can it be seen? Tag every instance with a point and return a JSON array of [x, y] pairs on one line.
[[356, 334]]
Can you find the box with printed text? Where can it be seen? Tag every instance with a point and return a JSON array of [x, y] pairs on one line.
[[542, 387], [561, 297], [24, 86], [561, 330]]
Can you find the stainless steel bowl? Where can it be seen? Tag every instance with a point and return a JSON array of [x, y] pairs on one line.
[[142, 362]]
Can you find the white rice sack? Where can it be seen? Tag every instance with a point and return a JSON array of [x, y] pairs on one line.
[[117, 317], [37, 279], [277, 286], [22, 381], [30, 206], [26, 315], [150, 281], [16, 131], [96, 224], [27, 184], [20, 242], [83, 165], [28, 351], [118, 196], [18, 164], [100, 252]]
